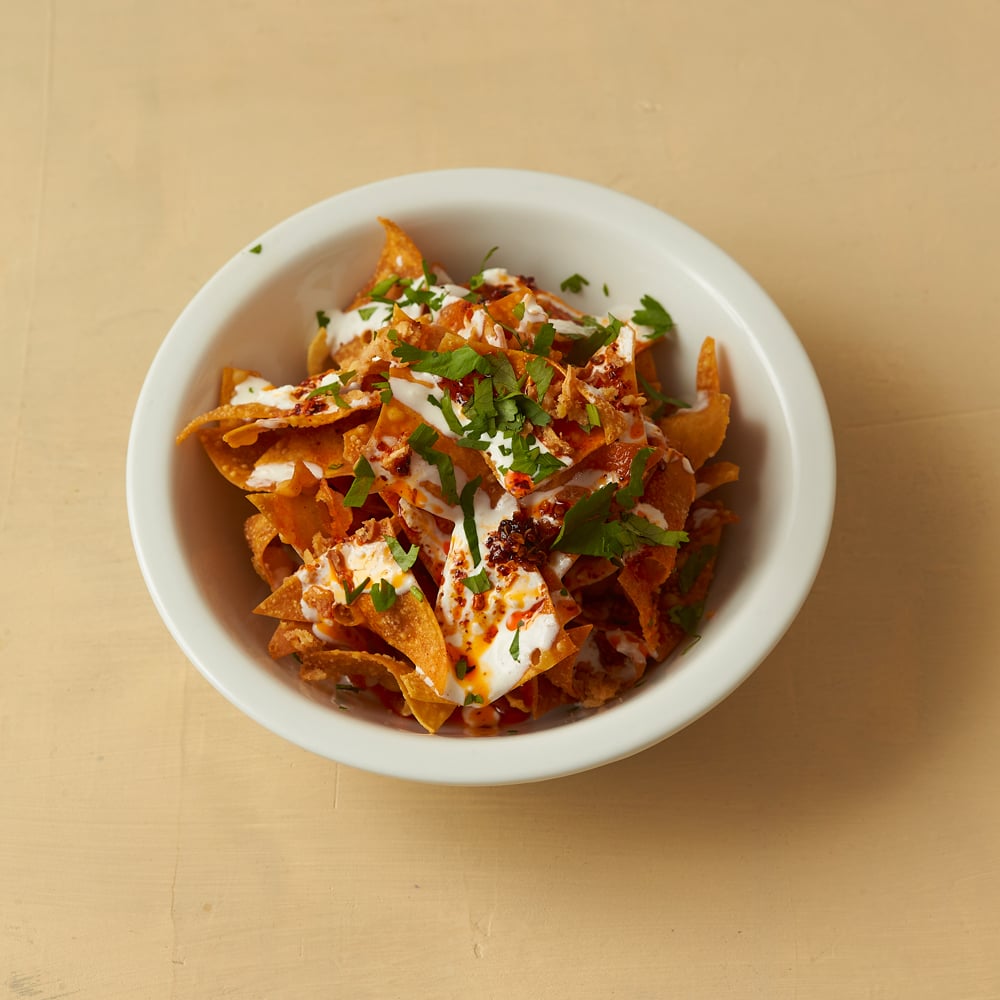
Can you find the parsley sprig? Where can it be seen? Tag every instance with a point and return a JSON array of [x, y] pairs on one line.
[[574, 283], [334, 389], [662, 400], [364, 480], [422, 441], [600, 336], [589, 528], [653, 315]]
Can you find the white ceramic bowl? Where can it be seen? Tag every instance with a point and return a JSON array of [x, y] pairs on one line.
[[258, 312]]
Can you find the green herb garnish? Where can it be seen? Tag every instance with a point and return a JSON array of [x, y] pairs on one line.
[[587, 529], [663, 400], [321, 318], [256, 248], [351, 595], [654, 316], [541, 373], [404, 559], [473, 699], [479, 583], [687, 616], [515, 646], [695, 562], [543, 340], [467, 502], [383, 595], [334, 389], [381, 287], [477, 281], [454, 365], [574, 283], [421, 441], [631, 492], [364, 480], [588, 345]]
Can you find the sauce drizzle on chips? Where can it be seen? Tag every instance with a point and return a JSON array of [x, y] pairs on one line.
[[479, 503]]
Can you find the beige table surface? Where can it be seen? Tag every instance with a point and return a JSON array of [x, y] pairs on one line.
[[831, 831]]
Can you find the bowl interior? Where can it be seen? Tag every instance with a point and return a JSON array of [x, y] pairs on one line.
[[259, 312]]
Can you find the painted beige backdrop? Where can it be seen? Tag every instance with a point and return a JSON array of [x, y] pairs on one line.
[[831, 831]]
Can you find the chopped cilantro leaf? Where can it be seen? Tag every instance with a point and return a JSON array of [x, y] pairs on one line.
[[543, 340], [501, 371], [662, 400], [429, 276], [479, 583], [334, 388], [461, 668], [418, 593], [580, 530], [593, 416], [532, 411], [383, 595], [448, 410], [365, 312], [589, 344], [515, 646], [574, 283], [587, 530], [364, 480], [694, 563], [385, 390], [654, 316], [606, 292], [404, 559], [473, 699], [541, 373], [454, 365], [631, 492], [467, 501], [423, 297], [477, 281], [353, 688], [256, 248], [352, 594], [644, 532], [381, 287], [687, 616], [321, 318], [421, 441], [518, 310]]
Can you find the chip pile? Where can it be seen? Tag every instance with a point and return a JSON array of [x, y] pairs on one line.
[[480, 503]]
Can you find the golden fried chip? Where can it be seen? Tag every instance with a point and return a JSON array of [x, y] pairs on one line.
[[321, 448], [297, 519], [237, 466], [400, 257], [321, 664], [717, 474], [410, 626], [259, 532], [698, 432], [284, 603]]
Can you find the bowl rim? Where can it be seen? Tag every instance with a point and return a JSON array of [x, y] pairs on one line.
[[602, 737]]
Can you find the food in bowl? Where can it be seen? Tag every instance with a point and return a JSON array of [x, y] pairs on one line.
[[480, 504]]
